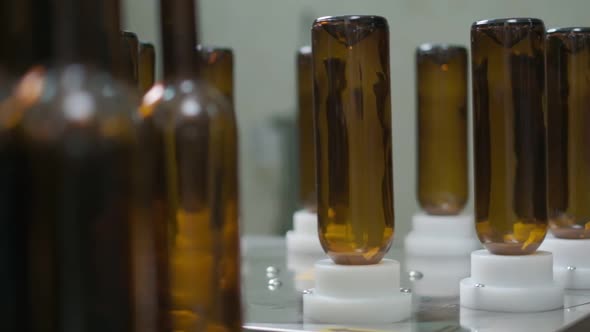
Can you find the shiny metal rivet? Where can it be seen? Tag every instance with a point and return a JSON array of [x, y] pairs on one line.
[[272, 272], [415, 275], [480, 285], [405, 290], [571, 268], [308, 291], [274, 284]]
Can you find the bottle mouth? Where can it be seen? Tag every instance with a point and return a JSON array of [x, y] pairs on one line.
[[373, 20], [439, 49], [528, 21], [569, 30]]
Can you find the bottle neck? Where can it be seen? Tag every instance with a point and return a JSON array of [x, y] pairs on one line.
[[25, 31], [88, 32], [179, 38]]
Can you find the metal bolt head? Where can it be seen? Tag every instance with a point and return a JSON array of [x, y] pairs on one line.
[[415, 275]]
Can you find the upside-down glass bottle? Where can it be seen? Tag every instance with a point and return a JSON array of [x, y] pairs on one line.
[[568, 97], [352, 108], [442, 128], [509, 134], [194, 128]]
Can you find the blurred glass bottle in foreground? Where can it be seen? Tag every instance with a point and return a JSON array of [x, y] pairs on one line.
[[26, 35], [442, 128], [191, 128], [568, 88], [353, 137], [509, 134], [306, 137]]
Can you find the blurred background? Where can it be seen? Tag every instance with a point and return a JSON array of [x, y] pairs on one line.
[[265, 35]]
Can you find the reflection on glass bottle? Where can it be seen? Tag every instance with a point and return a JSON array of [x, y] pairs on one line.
[[147, 67], [353, 137], [568, 97], [306, 137], [509, 134], [192, 128], [442, 128]]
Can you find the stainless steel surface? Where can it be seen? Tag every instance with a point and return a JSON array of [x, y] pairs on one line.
[[273, 302]]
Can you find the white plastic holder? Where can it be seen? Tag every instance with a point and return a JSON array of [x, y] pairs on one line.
[[511, 283], [436, 276], [441, 236], [357, 294], [304, 239], [571, 266]]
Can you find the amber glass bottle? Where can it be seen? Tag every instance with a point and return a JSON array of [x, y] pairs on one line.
[[25, 31], [306, 137], [147, 67], [568, 97], [509, 134], [442, 128], [353, 137], [217, 69], [80, 142], [194, 128], [130, 58]]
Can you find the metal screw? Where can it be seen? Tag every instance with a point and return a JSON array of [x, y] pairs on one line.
[[274, 284], [405, 290], [272, 272], [480, 285], [571, 268], [415, 275]]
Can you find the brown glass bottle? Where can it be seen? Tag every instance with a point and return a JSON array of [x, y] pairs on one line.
[[306, 137], [353, 137], [442, 128], [25, 32], [217, 69], [80, 142], [568, 97], [130, 58], [147, 67], [194, 128], [509, 134]]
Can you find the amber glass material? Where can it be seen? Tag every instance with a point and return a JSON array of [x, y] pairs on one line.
[[217, 68], [130, 58], [568, 98], [193, 134], [509, 134], [25, 32], [442, 128], [79, 143], [147, 67], [306, 137], [353, 137]]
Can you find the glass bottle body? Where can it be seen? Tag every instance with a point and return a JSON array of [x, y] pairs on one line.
[[192, 128], [80, 144], [353, 137], [568, 88], [509, 134], [442, 128]]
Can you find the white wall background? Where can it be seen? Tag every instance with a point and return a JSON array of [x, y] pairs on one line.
[[265, 35]]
